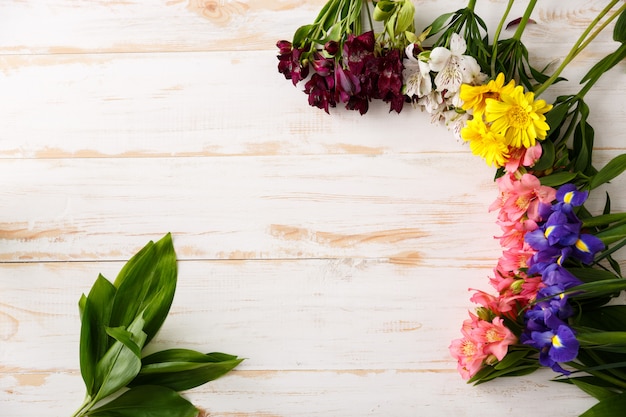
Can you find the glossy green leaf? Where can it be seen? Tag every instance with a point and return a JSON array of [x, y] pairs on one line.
[[147, 284], [182, 369], [96, 311], [611, 170], [406, 16], [613, 406], [597, 288], [383, 10], [619, 30], [591, 274], [612, 234], [556, 179], [602, 338], [603, 220], [597, 391], [147, 401], [120, 364], [439, 23]]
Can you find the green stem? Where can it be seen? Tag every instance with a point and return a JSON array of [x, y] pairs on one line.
[[369, 15], [524, 21], [494, 52], [471, 5], [581, 43]]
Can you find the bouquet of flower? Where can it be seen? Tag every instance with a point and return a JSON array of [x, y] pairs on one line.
[[557, 300]]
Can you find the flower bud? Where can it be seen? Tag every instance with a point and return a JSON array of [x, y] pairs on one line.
[[332, 47]]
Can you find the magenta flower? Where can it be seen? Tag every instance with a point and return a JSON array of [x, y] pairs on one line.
[[390, 79], [289, 62], [321, 92], [346, 84]]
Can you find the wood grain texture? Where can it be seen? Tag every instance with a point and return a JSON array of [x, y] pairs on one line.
[[334, 252]]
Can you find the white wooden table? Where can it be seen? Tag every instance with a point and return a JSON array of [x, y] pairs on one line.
[[334, 252]]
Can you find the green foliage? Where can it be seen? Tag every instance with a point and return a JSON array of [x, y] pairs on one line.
[[117, 322]]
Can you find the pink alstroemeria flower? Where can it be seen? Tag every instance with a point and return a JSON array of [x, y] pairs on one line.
[[521, 197]]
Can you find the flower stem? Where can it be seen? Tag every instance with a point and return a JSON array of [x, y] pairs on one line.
[[494, 52], [471, 5], [581, 43], [525, 18]]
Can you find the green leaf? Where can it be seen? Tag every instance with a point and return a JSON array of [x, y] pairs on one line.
[[439, 23], [615, 338], [406, 16], [611, 170], [597, 288], [613, 406], [511, 359], [619, 31], [383, 10], [125, 337], [147, 284], [591, 274], [182, 369], [96, 312], [612, 234], [603, 220], [558, 178], [596, 391], [147, 401], [301, 35], [120, 364], [583, 146]]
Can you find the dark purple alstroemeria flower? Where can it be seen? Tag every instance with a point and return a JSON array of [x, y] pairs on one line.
[[320, 90], [346, 84], [358, 52], [321, 65], [390, 79], [289, 62]]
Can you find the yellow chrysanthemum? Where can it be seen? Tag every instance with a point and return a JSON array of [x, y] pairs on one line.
[[485, 143], [518, 117], [474, 97]]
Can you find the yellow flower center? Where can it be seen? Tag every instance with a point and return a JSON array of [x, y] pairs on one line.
[[492, 335], [469, 348], [556, 342], [518, 117]]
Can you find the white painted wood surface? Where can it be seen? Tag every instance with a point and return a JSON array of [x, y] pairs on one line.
[[334, 252]]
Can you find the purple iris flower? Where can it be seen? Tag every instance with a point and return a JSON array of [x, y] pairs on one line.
[[555, 346], [586, 247], [568, 197], [556, 275]]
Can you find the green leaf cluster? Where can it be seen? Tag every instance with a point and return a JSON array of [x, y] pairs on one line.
[[118, 320]]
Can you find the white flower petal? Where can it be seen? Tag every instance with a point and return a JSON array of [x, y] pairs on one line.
[[439, 58], [457, 44], [469, 68], [450, 78]]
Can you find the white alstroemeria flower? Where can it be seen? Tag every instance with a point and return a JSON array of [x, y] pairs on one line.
[[455, 122], [416, 75], [452, 67], [432, 102]]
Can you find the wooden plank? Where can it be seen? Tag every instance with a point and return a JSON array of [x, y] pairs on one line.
[[226, 103], [323, 393], [334, 337], [380, 207], [65, 26]]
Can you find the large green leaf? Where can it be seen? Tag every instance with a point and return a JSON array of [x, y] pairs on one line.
[[182, 369], [121, 363], [611, 170], [612, 406], [147, 401], [96, 311], [146, 283]]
